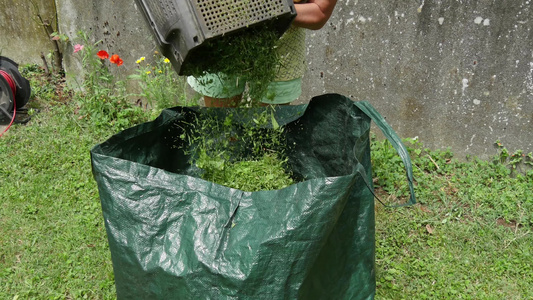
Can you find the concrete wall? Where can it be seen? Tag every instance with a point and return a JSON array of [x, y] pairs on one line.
[[456, 73], [118, 26], [22, 37]]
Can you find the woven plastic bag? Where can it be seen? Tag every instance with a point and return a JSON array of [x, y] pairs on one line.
[[173, 235]]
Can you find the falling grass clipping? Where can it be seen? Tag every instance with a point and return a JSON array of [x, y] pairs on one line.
[[249, 55], [244, 154]]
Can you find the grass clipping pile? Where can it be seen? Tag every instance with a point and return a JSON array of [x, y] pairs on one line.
[[249, 157]]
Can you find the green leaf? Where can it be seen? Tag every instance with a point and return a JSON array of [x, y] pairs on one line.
[[275, 124]]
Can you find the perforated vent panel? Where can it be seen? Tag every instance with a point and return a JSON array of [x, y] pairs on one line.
[[221, 16], [182, 27]]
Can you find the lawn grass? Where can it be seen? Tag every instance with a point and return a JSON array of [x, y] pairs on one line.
[[53, 242], [469, 237]]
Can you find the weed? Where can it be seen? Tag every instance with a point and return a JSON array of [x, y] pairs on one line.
[[518, 162], [56, 56], [102, 98], [48, 88], [160, 86]]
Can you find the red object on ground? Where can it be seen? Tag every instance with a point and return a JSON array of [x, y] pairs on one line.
[[13, 87]]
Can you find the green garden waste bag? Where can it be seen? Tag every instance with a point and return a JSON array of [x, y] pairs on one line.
[[173, 235]]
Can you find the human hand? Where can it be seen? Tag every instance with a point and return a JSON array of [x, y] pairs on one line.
[[313, 14]]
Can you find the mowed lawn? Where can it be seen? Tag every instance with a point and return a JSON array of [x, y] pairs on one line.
[[469, 236]]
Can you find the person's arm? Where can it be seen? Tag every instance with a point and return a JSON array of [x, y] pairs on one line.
[[314, 14]]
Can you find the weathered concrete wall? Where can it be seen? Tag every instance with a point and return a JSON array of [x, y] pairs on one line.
[[455, 73], [22, 37], [119, 26]]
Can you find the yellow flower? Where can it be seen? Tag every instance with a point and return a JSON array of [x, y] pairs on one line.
[[166, 60], [148, 72], [140, 59]]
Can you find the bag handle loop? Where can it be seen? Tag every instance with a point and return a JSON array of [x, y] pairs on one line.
[[395, 141]]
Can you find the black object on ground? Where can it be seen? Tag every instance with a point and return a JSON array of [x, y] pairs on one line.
[[15, 91]]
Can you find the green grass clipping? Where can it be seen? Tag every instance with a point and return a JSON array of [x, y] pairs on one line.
[[249, 55], [249, 155]]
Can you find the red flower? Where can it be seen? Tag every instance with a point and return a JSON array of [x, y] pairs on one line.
[[102, 54], [116, 60]]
